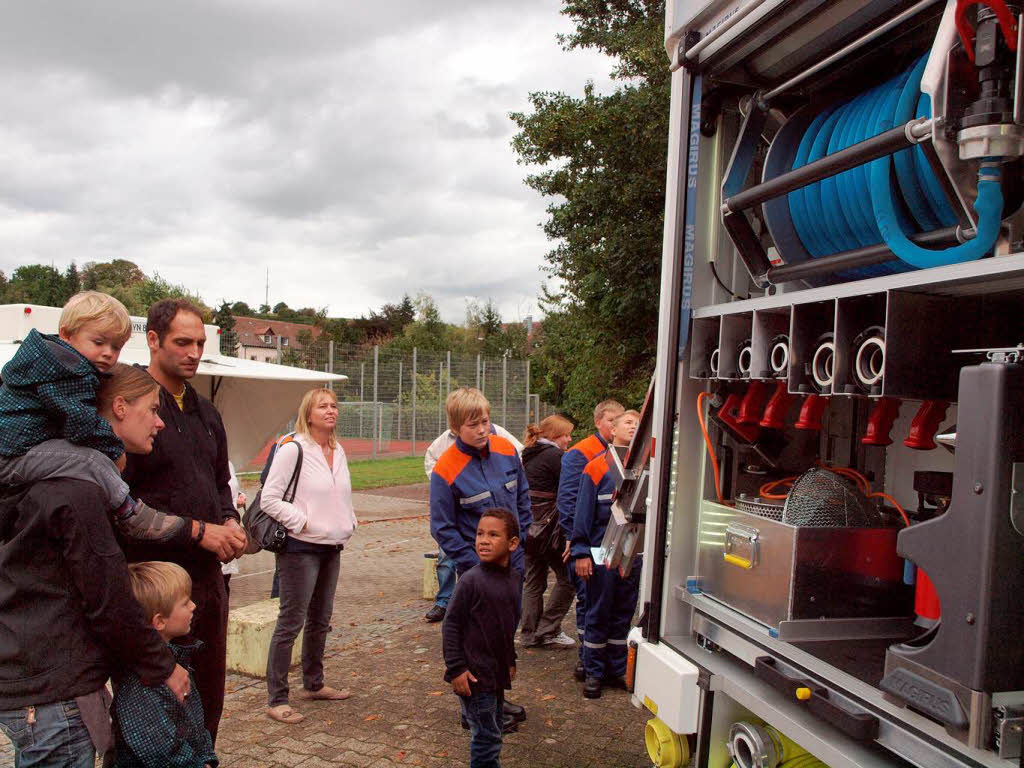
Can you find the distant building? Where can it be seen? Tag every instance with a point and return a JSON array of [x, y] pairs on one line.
[[258, 338]]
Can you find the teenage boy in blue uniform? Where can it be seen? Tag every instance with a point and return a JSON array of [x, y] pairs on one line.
[[573, 462], [610, 598], [479, 472]]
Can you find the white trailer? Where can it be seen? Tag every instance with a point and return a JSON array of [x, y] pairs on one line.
[[869, 612]]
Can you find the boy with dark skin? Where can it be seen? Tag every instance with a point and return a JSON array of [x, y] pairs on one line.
[[479, 635]]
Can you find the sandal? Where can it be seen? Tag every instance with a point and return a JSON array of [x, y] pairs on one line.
[[284, 714], [326, 694]]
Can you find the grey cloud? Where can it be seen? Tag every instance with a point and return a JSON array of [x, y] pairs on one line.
[[358, 150]]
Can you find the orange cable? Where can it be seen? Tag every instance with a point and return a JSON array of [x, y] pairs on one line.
[[891, 500], [711, 450]]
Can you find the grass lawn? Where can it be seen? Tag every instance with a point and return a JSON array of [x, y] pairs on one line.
[[381, 473]]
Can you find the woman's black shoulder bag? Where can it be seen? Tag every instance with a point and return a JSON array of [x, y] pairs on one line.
[[264, 531]]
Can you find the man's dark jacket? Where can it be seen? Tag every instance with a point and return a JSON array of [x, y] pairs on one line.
[[67, 615], [186, 475]]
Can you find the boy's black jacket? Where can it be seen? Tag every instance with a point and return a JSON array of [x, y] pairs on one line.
[[153, 730], [480, 626], [185, 475]]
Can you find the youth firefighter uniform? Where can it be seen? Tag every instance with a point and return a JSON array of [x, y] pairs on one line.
[[467, 481], [610, 598], [573, 462]]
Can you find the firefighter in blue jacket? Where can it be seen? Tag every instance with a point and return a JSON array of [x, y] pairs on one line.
[[610, 598], [573, 462], [480, 471]]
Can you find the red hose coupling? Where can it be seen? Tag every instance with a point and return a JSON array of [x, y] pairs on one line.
[[729, 416], [811, 411], [753, 403], [925, 424], [880, 422], [778, 406]]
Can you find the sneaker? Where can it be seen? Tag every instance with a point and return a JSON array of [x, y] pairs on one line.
[[435, 614], [561, 640]]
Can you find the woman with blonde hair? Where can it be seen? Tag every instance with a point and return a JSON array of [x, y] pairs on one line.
[[318, 514], [546, 547]]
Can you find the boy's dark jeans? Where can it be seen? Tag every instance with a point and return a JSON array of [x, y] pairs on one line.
[[483, 711]]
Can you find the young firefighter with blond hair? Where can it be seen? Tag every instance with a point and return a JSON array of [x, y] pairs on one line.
[[479, 472], [49, 425], [611, 599], [573, 462]]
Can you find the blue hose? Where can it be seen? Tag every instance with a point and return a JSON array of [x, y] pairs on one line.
[[860, 207]]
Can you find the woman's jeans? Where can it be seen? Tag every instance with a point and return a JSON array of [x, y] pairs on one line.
[[308, 583], [56, 739], [484, 711]]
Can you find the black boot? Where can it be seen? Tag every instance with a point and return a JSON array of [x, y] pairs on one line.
[[579, 673], [516, 712], [508, 724], [592, 688], [614, 681]]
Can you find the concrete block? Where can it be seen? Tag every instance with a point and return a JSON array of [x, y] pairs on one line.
[[249, 632], [430, 585]]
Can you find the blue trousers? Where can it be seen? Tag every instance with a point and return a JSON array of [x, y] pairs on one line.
[[581, 604], [57, 737], [484, 713], [445, 579], [610, 603]]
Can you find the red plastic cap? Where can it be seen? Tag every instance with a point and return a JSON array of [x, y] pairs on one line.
[[28, 310]]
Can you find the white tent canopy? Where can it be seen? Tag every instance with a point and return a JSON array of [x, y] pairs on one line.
[[255, 400]]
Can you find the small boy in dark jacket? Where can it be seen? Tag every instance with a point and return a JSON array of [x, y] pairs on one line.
[[151, 729], [478, 636]]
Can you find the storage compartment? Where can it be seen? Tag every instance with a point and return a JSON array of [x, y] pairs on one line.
[[779, 574], [812, 348], [705, 355], [770, 344]]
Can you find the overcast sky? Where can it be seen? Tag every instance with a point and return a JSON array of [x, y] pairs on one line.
[[359, 150]]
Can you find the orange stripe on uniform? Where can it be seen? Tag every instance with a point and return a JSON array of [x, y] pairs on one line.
[[596, 468], [502, 445], [589, 447], [451, 463]]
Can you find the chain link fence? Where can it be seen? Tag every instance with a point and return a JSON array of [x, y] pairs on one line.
[[393, 402]]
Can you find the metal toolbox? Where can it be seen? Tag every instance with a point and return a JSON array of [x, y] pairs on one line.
[[804, 583]]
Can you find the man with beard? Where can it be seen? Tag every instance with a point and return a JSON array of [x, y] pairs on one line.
[[187, 475]]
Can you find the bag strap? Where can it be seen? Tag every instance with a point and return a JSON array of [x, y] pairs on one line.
[[293, 484]]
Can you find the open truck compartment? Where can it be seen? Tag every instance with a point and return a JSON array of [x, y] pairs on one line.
[[833, 451]]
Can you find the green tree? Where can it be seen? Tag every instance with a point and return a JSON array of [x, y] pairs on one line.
[[119, 272], [602, 160], [37, 284], [241, 309], [224, 319], [395, 317], [72, 280]]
